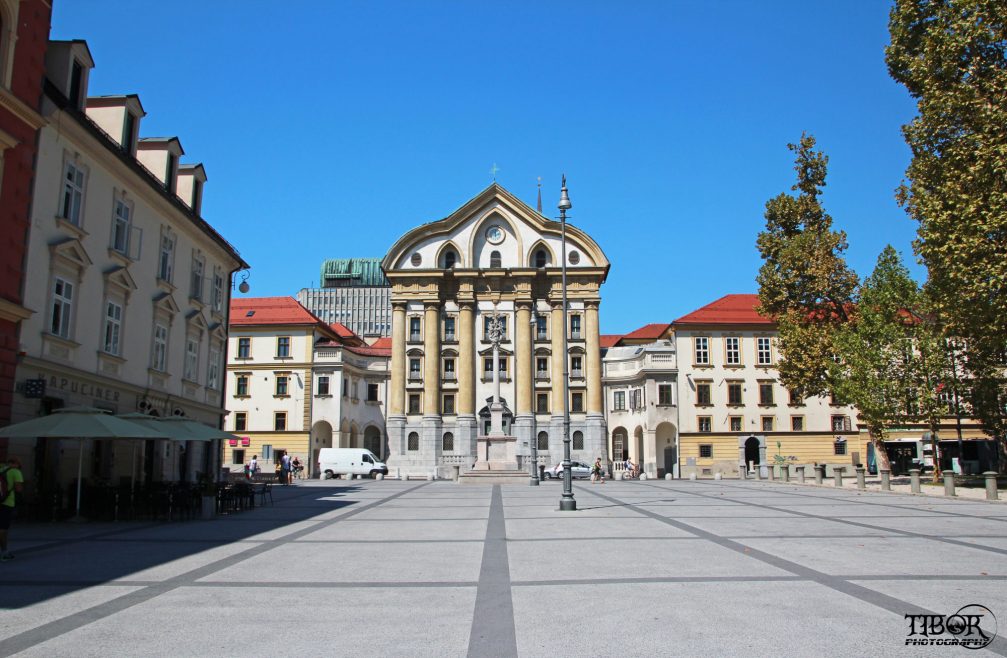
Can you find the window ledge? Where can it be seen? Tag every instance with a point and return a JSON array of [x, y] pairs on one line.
[[276, 396], [59, 340], [734, 366], [160, 373], [283, 358], [165, 285], [68, 226], [108, 356], [241, 397], [702, 366], [373, 403], [323, 395], [119, 257], [193, 382], [198, 301]]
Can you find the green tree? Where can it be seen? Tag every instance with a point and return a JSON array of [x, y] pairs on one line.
[[952, 57], [804, 282]]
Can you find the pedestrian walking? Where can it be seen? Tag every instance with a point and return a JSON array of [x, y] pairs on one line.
[[285, 463], [597, 472], [11, 484]]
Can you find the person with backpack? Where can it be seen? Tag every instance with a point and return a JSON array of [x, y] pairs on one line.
[[11, 484]]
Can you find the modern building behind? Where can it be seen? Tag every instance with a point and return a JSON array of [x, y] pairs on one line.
[[129, 284], [355, 293]]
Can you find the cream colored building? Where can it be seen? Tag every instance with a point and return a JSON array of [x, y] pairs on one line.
[[128, 283], [297, 384], [497, 255]]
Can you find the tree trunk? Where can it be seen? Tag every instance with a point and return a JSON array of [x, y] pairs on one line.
[[880, 454], [937, 457]]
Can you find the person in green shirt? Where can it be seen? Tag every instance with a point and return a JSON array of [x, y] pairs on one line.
[[15, 484]]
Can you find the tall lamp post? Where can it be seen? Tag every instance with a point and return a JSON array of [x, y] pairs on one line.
[[567, 502], [533, 441]]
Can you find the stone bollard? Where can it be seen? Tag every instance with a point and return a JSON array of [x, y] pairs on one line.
[[758, 473], [819, 473], [380, 476], [837, 474], [914, 480], [619, 475], [772, 473], [643, 476], [742, 472], [949, 484], [430, 477], [457, 472], [861, 478], [692, 476], [717, 476], [991, 485], [886, 479], [800, 473], [667, 476], [785, 472]]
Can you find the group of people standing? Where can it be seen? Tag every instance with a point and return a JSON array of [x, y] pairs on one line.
[[287, 468]]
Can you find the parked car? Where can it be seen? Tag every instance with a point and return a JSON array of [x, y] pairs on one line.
[[577, 470]]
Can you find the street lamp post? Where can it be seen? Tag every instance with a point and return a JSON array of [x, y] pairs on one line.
[[567, 502], [533, 476]]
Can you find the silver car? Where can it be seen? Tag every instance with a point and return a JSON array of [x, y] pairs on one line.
[[577, 470]]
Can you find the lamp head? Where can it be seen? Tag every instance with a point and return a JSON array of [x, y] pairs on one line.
[[243, 286], [564, 198]]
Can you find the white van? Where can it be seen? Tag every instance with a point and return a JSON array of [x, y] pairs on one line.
[[349, 461]]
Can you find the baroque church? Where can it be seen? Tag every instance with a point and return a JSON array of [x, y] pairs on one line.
[[492, 268]]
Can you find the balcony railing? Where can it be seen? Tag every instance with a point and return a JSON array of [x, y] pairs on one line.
[[577, 374], [541, 335], [415, 338], [575, 335], [449, 338], [449, 375], [415, 375], [542, 374]]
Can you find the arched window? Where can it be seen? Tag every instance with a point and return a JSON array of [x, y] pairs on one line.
[[543, 440], [541, 258], [448, 442], [413, 442], [578, 440], [450, 258], [495, 259]]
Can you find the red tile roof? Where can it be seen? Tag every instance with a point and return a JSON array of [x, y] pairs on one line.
[[385, 342], [346, 334], [609, 340], [370, 351], [248, 311], [729, 309], [649, 331]]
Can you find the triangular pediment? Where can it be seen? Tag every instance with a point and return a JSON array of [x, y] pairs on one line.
[[217, 331], [196, 320], [489, 352], [120, 278], [165, 302], [71, 252]]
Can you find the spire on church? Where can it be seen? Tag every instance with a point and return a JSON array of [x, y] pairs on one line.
[[538, 206]]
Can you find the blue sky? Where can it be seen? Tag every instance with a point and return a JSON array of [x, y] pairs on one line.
[[328, 129]]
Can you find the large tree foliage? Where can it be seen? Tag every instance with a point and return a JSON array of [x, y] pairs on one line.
[[952, 57], [890, 361], [804, 283]]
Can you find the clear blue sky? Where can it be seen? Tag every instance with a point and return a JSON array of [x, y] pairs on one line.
[[328, 129]]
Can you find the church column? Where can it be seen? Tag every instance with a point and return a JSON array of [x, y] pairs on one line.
[[522, 357], [396, 406], [466, 358], [594, 391], [558, 322], [431, 359]]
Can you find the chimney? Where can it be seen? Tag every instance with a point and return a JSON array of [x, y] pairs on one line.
[[119, 117], [68, 65], [190, 186], [160, 156]]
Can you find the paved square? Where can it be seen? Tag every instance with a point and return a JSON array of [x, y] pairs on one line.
[[438, 569]]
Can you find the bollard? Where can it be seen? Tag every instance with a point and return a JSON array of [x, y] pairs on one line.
[[430, 477], [861, 478], [772, 473], [758, 473], [619, 475], [949, 484], [667, 476], [819, 473], [991, 485], [914, 480], [837, 473], [886, 479], [800, 473], [643, 476], [785, 472], [717, 476], [380, 476], [457, 472], [742, 472], [692, 476]]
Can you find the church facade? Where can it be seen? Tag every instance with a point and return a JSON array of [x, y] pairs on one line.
[[495, 257]]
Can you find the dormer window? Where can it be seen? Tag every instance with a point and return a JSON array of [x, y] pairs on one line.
[[541, 258], [169, 175], [197, 196], [129, 133], [450, 259], [76, 84], [495, 259]]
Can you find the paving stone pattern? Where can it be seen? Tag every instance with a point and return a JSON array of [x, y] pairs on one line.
[[437, 569]]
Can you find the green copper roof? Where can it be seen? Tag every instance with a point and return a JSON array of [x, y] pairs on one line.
[[352, 272]]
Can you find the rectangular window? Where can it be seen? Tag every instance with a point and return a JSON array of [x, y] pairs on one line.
[[768, 423], [449, 369], [280, 421], [414, 329], [836, 401], [734, 393], [619, 401], [73, 194], [372, 392], [576, 366], [281, 384], [323, 385], [487, 367], [167, 260], [191, 358], [764, 349], [635, 399], [577, 402], [702, 353], [840, 423], [664, 394], [196, 280], [502, 364], [244, 348], [448, 405], [120, 227], [542, 403], [706, 451], [62, 307], [734, 423], [732, 350], [839, 447], [704, 397], [414, 368], [794, 400], [240, 421], [541, 327], [159, 356], [766, 394], [413, 441], [218, 290], [238, 456], [704, 424], [574, 327], [267, 452], [449, 329], [213, 369], [113, 325], [541, 368], [797, 423], [241, 386], [283, 347], [414, 403]]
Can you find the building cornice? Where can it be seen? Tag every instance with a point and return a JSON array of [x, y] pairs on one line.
[[20, 109], [13, 312]]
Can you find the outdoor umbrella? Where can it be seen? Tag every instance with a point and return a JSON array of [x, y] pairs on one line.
[[191, 430], [80, 423]]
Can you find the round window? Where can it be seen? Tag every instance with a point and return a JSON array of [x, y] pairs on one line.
[[416, 260], [574, 257]]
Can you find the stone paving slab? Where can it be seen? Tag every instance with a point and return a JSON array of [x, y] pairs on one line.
[[437, 569]]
